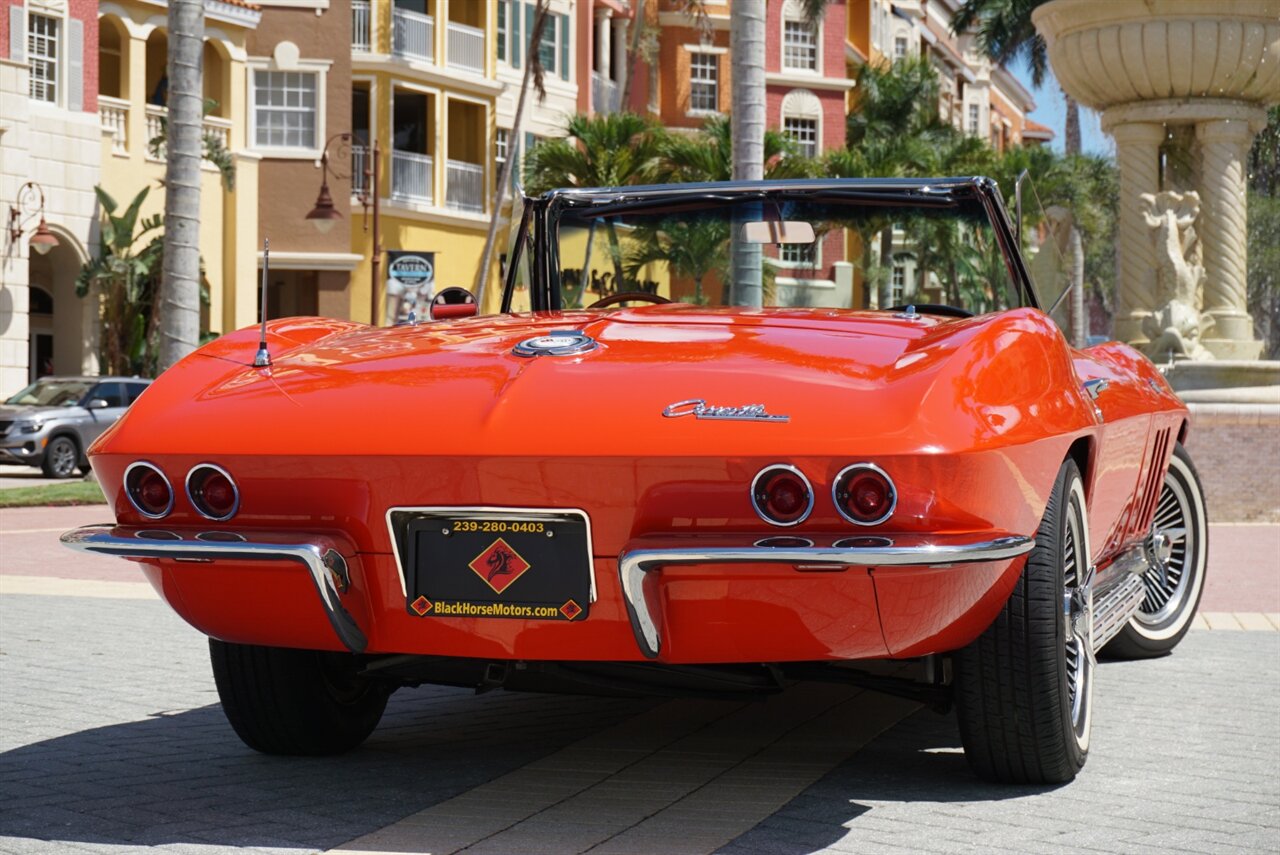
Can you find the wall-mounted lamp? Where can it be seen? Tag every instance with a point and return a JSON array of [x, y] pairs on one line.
[[30, 203], [324, 215]]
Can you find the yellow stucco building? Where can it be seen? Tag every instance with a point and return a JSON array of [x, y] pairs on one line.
[[132, 89]]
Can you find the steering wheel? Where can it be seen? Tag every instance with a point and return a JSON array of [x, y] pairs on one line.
[[934, 309], [627, 297]]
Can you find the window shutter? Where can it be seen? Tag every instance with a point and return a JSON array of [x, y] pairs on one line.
[[75, 65], [564, 46], [18, 33], [517, 42]]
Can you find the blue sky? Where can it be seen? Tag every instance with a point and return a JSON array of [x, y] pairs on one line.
[[1051, 111]]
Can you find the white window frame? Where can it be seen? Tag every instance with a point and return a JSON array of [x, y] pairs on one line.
[[812, 263], [898, 285], [900, 49], [318, 67], [694, 56], [501, 147], [58, 59], [553, 25], [815, 34], [816, 147]]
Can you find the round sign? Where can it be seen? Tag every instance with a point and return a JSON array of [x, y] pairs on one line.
[[556, 343]]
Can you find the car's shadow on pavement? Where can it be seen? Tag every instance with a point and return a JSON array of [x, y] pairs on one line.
[[919, 760], [186, 778]]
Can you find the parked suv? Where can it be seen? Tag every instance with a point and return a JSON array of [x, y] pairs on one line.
[[51, 422]]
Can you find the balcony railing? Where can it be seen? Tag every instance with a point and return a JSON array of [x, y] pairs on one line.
[[213, 127], [361, 30], [411, 176], [464, 186], [114, 115], [604, 94], [465, 47], [359, 163], [412, 34]]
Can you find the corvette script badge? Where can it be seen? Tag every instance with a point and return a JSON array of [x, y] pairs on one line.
[[700, 409]]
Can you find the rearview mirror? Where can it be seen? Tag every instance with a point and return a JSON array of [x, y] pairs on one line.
[[96, 404], [453, 303], [777, 231]]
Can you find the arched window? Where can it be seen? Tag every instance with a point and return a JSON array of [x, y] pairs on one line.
[[802, 120]]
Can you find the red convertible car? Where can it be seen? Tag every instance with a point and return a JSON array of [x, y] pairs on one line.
[[678, 460]]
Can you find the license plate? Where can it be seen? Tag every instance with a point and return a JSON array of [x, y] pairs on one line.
[[526, 565]]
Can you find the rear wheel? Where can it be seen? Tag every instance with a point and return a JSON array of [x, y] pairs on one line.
[[284, 701], [1177, 552], [1024, 688], [61, 457]]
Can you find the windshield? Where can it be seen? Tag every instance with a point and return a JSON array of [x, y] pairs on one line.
[[838, 249], [52, 393]]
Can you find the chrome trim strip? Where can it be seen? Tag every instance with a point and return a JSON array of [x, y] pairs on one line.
[[489, 512], [635, 565], [328, 569], [1112, 611], [128, 495], [760, 513], [835, 485], [235, 488]]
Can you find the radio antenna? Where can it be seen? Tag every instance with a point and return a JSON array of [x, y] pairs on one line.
[[263, 359]]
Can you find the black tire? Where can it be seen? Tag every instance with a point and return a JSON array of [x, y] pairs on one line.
[[299, 702], [1024, 688], [1175, 579], [61, 457]]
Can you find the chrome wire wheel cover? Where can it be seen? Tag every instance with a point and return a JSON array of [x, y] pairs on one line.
[[1077, 616], [1173, 550]]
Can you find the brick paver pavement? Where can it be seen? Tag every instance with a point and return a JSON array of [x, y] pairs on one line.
[[111, 740]]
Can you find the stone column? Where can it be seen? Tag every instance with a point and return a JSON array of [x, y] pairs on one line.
[[1224, 147], [1138, 154], [604, 42]]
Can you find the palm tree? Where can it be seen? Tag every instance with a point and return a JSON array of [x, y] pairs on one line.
[[1005, 32], [897, 100], [746, 48], [179, 304], [708, 155], [612, 150], [123, 271]]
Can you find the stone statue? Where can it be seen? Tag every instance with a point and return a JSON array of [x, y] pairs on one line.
[[1177, 323]]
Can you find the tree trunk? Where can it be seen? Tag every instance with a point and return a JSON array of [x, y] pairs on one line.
[[1071, 143], [179, 303], [637, 30], [1075, 272], [504, 179], [886, 267], [746, 48]]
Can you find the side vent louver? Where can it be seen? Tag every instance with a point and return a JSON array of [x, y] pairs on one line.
[[1155, 478]]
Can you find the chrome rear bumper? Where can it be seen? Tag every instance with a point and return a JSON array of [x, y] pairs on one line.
[[641, 559], [318, 553]]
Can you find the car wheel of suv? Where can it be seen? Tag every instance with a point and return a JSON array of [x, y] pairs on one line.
[[301, 702], [1177, 552], [1024, 688], [61, 456]]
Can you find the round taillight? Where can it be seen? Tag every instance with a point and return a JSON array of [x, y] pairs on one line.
[[148, 490], [781, 495], [864, 494], [212, 492]]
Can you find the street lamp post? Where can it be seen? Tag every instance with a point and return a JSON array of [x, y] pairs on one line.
[[324, 214], [24, 211]]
